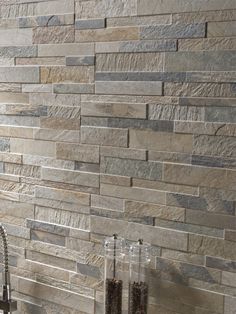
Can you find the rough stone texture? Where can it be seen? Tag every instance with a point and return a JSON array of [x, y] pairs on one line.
[[173, 31], [119, 116], [53, 35]]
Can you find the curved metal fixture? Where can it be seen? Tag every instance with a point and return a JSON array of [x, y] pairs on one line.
[[6, 304]]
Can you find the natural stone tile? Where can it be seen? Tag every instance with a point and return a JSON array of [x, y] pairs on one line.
[[47, 227], [210, 161], [211, 220], [199, 89], [229, 305], [155, 236], [73, 88], [54, 7], [80, 60], [169, 157], [207, 44], [46, 20], [228, 279], [55, 100], [168, 112], [164, 186], [115, 180], [211, 101], [90, 23], [71, 74], [104, 136], [107, 202], [221, 264], [36, 88], [22, 170], [40, 61], [87, 167], [16, 37], [18, 231], [62, 195], [58, 296], [206, 128], [137, 210], [125, 153], [129, 88], [173, 31], [200, 61], [131, 168], [6, 97], [211, 76], [158, 125], [180, 272], [201, 16], [25, 146], [138, 194], [170, 6], [107, 34], [77, 152], [199, 176], [138, 20], [59, 123], [186, 201], [230, 235], [188, 227], [47, 237], [221, 29], [62, 217], [221, 114], [142, 76], [214, 146], [123, 110], [129, 62], [65, 49], [53, 35], [104, 8], [161, 141], [136, 46], [18, 51], [183, 257], [71, 177], [19, 74], [89, 270], [211, 246]]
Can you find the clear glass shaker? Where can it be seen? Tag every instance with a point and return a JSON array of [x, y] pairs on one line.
[[139, 277], [114, 261]]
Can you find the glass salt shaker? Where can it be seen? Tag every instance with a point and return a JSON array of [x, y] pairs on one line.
[[114, 258], [139, 277]]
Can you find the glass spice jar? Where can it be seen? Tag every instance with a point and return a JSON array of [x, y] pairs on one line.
[[114, 258], [139, 276]]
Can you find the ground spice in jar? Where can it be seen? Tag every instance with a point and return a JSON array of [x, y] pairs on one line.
[[138, 298], [113, 304]]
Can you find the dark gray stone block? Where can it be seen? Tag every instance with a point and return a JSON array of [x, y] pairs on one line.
[[221, 264], [90, 24]]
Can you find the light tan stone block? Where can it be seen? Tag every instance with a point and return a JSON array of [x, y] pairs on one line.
[[70, 177], [129, 62], [221, 29], [122, 110], [171, 6], [128, 88], [14, 37], [61, 50], [85, 153], [209, 44], [104, 136], [71, 74], [160, 141], [25, 146], [138, 194], [53, 35], [107, 34], [62, 195]]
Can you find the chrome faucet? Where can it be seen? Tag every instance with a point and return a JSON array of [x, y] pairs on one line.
[[7, 305]]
